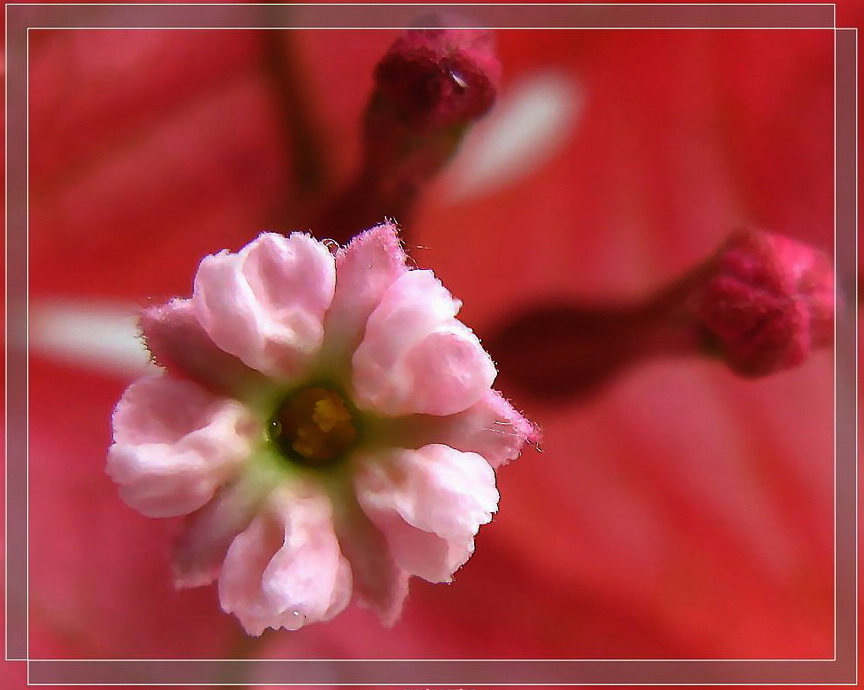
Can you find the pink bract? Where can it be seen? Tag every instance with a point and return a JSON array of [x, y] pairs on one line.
[[325, 422]]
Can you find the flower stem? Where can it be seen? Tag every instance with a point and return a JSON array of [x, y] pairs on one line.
[[242, 648], [761, 304], [304, 139]]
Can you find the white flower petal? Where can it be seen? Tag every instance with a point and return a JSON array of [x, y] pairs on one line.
[[528, 126], [99, 336]]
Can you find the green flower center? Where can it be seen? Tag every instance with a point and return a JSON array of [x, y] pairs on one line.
[[313, 427]]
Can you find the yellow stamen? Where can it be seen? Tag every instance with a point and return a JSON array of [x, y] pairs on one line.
[[314, 425]]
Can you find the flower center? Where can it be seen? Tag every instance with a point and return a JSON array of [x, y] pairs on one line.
[[313, 427]]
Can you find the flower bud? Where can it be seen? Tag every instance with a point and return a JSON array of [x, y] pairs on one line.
[[430, 86], [769, 302], [762, 303], [439, 77]]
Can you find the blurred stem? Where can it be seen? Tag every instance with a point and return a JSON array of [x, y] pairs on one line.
[[569, 350], [367, 201], [305, 140], [243, 648]]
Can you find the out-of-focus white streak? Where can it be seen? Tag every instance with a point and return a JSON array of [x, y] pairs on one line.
[[528, 126], [99, 336]]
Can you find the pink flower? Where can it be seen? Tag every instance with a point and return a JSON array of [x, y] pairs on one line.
[[679, 512], [326, 423]]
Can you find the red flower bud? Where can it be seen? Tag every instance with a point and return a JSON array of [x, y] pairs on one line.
[[762, 304], [768, 303], [430, 86], [436, 78]]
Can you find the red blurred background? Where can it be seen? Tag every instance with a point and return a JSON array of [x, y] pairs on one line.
[[678, 513]]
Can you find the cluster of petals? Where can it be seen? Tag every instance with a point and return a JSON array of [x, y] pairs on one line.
[[293, 543]]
